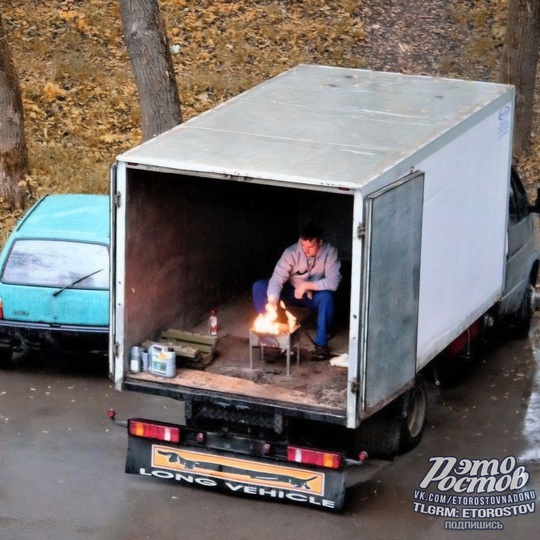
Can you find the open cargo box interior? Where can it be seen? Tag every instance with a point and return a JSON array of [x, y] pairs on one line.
[[194, 244]]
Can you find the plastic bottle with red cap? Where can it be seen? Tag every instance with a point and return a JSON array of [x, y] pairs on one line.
[[212, 323]]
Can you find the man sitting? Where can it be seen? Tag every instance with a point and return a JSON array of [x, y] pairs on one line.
[[306, 275]]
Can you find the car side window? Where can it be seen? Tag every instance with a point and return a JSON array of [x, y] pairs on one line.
[[519, 204], [512, 213]]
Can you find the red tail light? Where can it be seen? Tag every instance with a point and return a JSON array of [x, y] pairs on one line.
[[1, 309], [154, 431], [329, 460]]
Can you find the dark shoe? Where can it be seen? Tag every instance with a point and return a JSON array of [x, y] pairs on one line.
[[320, 353]]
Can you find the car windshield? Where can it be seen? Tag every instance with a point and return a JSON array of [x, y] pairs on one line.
[[57, 263]]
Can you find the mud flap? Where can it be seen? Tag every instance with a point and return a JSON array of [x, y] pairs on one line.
[[235, 474]]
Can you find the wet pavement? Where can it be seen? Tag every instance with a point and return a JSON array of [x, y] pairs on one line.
[[62, 461]]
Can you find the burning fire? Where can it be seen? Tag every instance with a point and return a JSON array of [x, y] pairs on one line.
[[266, 323], [291, 319]]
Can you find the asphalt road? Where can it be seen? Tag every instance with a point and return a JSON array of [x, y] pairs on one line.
[[62, 462]]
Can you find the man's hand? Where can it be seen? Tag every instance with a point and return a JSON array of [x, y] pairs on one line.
[[273, 299], [302, 289]]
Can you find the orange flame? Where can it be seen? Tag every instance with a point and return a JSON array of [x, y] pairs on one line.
[[266, 323], [291, 319]]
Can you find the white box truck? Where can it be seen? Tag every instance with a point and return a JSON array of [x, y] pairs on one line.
[[410, 176]]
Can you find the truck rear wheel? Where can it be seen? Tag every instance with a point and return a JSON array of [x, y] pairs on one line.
[[397, 428], [523, 316], [379, 435], [414, 416]]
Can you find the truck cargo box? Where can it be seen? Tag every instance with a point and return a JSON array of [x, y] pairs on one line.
[[408, 175]]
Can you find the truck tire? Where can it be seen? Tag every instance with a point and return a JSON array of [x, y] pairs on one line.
[[415, 405], [5, 358], [523, 316], [379, 435], [397, 428]]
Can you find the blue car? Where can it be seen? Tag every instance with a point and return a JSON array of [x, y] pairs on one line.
[[54, 277]]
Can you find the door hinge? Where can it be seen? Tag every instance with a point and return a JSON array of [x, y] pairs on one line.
[[355, 387], [116, 348], [117, 197], [360, 230]]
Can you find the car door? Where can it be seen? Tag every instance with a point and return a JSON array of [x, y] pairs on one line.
[[521, 247]]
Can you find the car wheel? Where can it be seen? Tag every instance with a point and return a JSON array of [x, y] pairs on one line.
[[5, 357]]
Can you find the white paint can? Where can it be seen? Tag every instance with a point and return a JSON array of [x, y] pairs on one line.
[[135, 359], [162, 360]]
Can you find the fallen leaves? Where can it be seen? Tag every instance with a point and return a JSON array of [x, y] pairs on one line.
[[80, 100], [52, 92]]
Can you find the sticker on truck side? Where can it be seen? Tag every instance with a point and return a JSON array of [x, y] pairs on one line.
[[244, 476]]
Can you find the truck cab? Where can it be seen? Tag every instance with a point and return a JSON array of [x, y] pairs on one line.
[[523, 255]]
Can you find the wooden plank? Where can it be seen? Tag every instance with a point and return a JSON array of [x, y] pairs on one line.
[[190, 337]]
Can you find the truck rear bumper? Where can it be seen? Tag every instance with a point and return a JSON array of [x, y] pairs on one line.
[[192, 396], [237, 474]]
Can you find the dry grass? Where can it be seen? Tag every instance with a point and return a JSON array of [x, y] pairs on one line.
[[486, 24], [479, 26], [80, 101]]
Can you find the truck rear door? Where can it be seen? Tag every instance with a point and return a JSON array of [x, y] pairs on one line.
[[390, 296], [112, 277]]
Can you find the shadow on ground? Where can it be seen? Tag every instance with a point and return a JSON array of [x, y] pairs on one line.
[[95, 365]]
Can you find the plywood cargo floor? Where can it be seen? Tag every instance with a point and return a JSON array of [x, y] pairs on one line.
[[310, 383]]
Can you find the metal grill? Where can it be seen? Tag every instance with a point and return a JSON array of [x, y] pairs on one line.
[[284, 340]]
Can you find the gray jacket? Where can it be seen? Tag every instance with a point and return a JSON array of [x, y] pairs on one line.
[[296, 267]]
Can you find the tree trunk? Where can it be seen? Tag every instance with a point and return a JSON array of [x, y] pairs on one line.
[[148, 48], [13, 152], [518, 65]]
